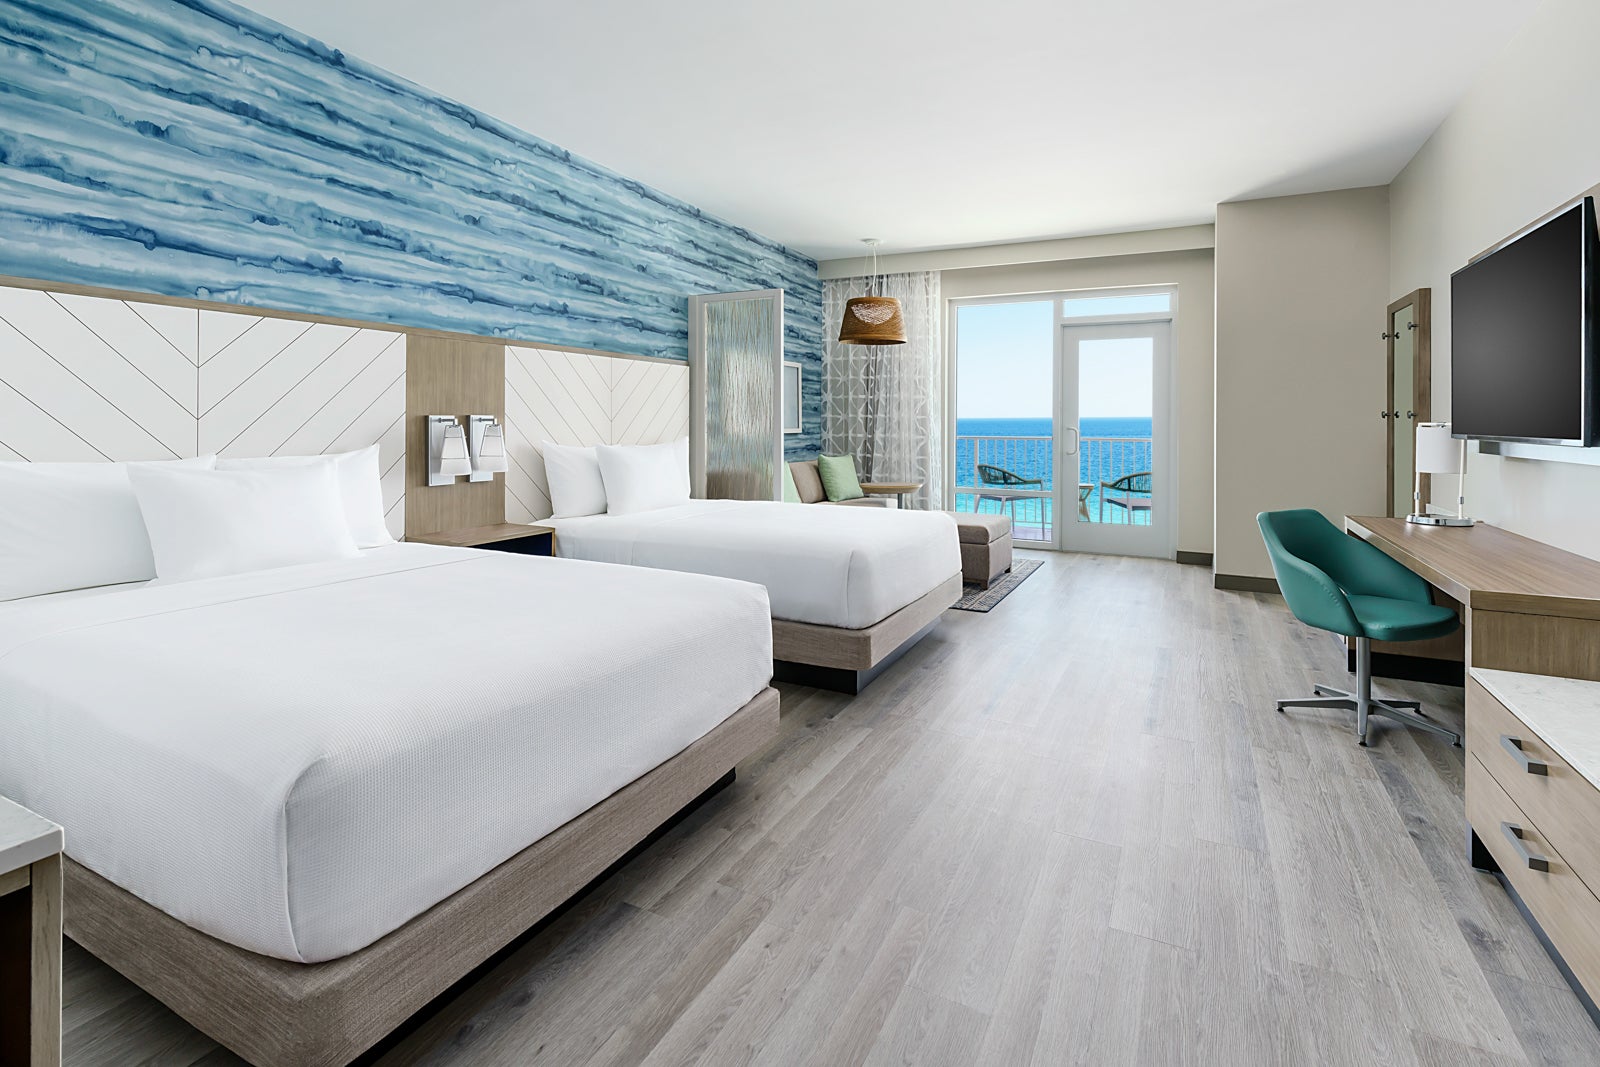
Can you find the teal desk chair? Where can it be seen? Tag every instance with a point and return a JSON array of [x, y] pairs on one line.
[[1336, 582]]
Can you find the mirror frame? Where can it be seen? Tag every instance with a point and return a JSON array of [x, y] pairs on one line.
[[1421, 303]]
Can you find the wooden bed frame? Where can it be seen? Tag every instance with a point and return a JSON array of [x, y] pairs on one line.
[[280, 1014], [846, 661]]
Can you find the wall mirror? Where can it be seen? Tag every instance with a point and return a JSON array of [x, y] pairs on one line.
[[1408, 338]]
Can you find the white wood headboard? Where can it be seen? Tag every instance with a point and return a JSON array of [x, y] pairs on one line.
[[574, 398], [86, 378]]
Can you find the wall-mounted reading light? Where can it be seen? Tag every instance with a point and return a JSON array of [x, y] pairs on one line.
[[447, 450], [486, 440]]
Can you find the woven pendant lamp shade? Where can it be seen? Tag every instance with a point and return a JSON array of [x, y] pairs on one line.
[[872, 320]]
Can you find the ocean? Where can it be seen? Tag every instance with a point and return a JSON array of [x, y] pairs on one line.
[[1110, 448]]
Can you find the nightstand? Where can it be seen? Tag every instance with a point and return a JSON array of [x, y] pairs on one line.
[[30, 938], [501, 537]]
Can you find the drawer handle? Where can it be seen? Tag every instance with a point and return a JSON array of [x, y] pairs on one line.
[[1513, 745], [1514, 835]]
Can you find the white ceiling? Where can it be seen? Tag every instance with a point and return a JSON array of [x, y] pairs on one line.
[[932, 123]]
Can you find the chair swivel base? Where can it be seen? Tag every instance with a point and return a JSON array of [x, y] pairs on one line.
[[1407, 712]]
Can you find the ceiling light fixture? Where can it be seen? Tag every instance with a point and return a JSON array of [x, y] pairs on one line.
[[870, 319]]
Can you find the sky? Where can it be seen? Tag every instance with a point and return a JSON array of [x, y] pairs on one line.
[[1004, 365]]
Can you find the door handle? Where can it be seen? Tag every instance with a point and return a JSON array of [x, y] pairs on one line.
[[1513, 834], [1073, 451], [1383, 414], [1530, 765]]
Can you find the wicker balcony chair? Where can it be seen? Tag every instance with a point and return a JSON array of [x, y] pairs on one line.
[[1000, 478], [1131, 493]]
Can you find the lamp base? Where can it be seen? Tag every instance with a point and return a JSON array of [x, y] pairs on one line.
[[1440, 520]]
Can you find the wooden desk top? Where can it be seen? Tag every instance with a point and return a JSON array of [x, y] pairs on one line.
[[1486, 567], [474, 536], [884, 488]]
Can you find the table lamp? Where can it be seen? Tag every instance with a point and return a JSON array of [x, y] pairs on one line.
[[1438, 453]]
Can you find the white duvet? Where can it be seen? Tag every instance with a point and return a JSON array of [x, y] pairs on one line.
[[299, 761], [834, 566]]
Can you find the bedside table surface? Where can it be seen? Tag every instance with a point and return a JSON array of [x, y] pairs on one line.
[[476, 536], [25, 838], [890, 487]]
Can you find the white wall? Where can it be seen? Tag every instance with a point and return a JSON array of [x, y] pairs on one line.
[[1191, 272], [1302, 283], [1524, 140]]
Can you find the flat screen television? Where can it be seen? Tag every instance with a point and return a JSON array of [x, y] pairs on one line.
[[1522, 336]]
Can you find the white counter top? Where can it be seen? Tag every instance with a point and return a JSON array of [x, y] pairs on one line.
[[25, 838], [1564, 712]]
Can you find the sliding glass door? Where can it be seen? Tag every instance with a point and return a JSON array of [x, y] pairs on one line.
[[1063, 417]]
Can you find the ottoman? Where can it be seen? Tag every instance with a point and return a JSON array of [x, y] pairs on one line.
[[985, 546]]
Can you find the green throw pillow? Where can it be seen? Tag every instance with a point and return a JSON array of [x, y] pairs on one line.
[[791, 492], [839, 477]]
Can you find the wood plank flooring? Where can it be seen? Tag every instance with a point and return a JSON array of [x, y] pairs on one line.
[[1070, 831]]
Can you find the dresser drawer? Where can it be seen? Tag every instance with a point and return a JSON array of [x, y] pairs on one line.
[[1557, 798], [1569, 913]]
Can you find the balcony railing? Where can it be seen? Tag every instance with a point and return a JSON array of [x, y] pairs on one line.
[[1032, 460]]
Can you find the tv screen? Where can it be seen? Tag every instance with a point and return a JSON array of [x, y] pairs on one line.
[[1520, 341]]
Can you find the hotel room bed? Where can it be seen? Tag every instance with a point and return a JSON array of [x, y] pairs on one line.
[[849, 587], [324, 793]]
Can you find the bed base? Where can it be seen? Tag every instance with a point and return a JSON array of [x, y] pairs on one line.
[[847, 661], [275, 1013]]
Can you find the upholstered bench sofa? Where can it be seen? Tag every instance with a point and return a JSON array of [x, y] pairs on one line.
[[985, 546], [808, 483]]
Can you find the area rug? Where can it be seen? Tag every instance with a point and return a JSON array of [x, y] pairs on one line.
[[976, 598]]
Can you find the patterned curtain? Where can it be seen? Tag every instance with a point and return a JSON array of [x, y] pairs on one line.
[[884, 404]]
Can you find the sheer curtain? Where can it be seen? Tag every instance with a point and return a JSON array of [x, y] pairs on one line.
[[884, 404]]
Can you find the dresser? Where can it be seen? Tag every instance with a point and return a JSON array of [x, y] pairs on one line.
[[1533, 799], [30, 939], [1530, 660]]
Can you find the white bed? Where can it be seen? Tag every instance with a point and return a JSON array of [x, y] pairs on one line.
[[827, 566], [299, 761]]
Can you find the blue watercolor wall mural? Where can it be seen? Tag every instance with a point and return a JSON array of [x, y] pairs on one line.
[[196, 149]]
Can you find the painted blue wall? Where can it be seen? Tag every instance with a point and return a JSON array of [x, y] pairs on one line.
[[196, 149]]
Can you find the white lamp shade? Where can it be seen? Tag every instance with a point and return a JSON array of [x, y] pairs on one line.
[[491, 457], [1437, 451], [453, 458]]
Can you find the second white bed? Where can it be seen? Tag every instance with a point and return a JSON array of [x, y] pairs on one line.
[[832, 566]]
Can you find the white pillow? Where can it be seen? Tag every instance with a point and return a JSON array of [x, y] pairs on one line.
[[644, 477], [73, 525], [575, 484], [204, 524], [360, 486]]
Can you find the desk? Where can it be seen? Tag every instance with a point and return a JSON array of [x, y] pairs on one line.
[[1527, 606]]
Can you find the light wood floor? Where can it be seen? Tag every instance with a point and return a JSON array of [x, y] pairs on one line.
[[1071, 831]]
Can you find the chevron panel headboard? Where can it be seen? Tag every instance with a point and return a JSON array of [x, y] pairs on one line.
[[94, 378], [575, 398]]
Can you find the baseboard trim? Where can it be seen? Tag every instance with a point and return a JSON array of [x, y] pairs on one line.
[[1244, 583], [1196, 559]]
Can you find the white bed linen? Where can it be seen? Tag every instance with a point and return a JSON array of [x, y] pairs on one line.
[[298, 761], [834, 566]]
